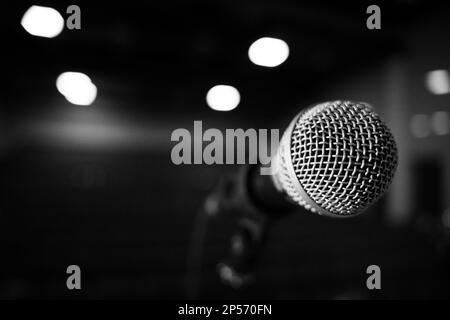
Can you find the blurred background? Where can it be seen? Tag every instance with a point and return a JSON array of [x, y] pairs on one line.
[[86, 172]]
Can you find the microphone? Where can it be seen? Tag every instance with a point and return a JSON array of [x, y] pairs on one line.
[[335, 159]]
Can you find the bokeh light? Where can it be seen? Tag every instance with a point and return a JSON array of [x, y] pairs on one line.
[[77, 88], [420, 126], [438, 82], [42, 22], [440, 123], [223, 98], [268, 52]]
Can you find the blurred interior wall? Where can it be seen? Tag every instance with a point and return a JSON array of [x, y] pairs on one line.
[[396, 88]]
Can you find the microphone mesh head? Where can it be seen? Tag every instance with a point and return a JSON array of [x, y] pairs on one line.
[[336, 158]]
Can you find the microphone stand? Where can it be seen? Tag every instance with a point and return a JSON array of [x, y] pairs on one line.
[[257, 203], [237, 270]]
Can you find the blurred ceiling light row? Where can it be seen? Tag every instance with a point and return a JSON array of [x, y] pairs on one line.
[[265, 52], [47, 22], [78, 88], [422, 125]]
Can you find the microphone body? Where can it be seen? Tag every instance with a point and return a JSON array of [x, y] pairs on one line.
[[335, 159]]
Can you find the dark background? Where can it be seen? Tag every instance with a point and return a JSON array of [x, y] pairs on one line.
[[95, 186]]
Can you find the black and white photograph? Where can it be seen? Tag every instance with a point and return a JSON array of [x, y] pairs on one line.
[[223, 156]]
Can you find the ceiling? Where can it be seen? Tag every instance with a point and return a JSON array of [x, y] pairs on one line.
[[160, 58]]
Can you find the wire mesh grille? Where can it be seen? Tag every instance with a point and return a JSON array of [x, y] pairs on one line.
[[343, 155]]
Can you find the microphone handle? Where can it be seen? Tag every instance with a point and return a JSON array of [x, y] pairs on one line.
[[265, 196], [246, 244], [260, 203]]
